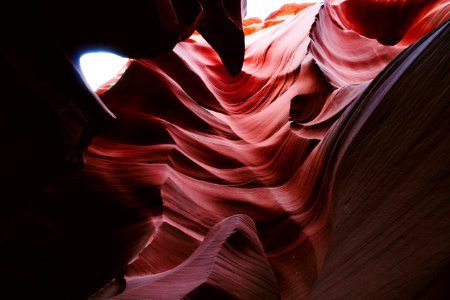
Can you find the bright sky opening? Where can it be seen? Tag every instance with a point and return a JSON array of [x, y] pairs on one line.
[[99, 67], [263, 8]]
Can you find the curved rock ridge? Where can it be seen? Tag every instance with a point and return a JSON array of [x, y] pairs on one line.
[[395, 225], [318, 170], [260, 144], [230, 245], [392, 21]]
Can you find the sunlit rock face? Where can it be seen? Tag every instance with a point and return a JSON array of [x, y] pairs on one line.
[[317, 171]]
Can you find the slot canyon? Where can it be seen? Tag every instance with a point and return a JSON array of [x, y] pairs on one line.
[[303, 156]]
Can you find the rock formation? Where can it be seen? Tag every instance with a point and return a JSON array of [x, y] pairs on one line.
[[315, 166]]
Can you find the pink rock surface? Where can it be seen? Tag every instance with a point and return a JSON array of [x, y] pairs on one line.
[[259, 144]]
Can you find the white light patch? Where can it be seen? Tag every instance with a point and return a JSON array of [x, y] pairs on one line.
[[100, 67], [262, 8]]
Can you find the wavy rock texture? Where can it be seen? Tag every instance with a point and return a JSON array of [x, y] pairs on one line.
[[320, 170], [264, 144]]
